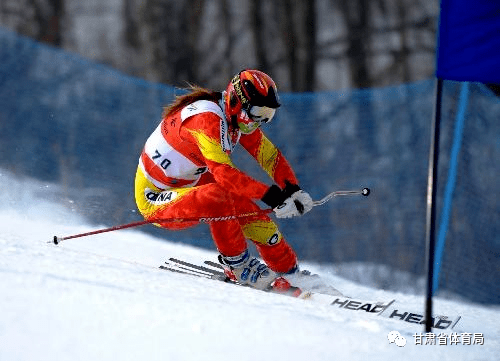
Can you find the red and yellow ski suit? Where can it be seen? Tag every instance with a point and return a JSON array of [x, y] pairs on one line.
[[185, 171]]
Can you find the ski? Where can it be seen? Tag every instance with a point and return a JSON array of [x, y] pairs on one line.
[[216, 273], [389, 309], [214, 264], [172, 268]]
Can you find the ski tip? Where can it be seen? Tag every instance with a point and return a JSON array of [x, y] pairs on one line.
[[305, 295]]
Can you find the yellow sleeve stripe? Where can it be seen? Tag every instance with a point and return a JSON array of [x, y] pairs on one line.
[[267, 156], [211, 148]]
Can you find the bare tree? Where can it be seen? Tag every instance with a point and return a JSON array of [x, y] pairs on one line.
[[131, 25], [172, 28], [39, 19], [298, 26], [258, 29], [51, 21], [378, 42], [407, 28], [356, 16]]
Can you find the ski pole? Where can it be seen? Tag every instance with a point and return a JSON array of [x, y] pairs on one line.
[[56, 240], [364, 192]]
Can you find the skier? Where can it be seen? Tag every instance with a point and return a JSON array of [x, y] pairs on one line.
[[185, 171]]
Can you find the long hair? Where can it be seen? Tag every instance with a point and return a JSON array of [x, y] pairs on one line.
[[196, 93]]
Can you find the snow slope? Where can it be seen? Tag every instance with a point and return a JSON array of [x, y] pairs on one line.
[[103, 298]]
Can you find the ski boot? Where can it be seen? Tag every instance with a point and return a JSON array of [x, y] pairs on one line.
[[247, 270]]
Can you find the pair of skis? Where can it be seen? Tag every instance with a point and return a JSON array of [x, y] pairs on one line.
[[215, 271], [390, 309], [179, 266]]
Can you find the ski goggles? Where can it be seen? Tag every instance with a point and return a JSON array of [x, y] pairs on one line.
[[251, 119], [261, 114]]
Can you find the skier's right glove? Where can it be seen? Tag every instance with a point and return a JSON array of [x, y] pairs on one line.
[[290, 202], [297, 204]]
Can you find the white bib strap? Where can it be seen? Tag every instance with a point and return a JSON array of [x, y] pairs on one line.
[[201, 106]]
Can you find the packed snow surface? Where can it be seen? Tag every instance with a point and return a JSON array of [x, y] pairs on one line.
[[103, 297]]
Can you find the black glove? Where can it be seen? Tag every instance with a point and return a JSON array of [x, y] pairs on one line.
[[275, 197]]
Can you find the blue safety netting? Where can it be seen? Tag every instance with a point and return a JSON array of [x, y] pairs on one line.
[[69, 121]]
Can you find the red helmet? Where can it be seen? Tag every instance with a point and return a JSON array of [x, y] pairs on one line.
[[251, 98]]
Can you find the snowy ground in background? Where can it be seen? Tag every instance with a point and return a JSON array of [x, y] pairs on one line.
[[103, 298]]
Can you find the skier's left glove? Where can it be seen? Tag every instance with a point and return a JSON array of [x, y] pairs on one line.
[[297, 203]]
